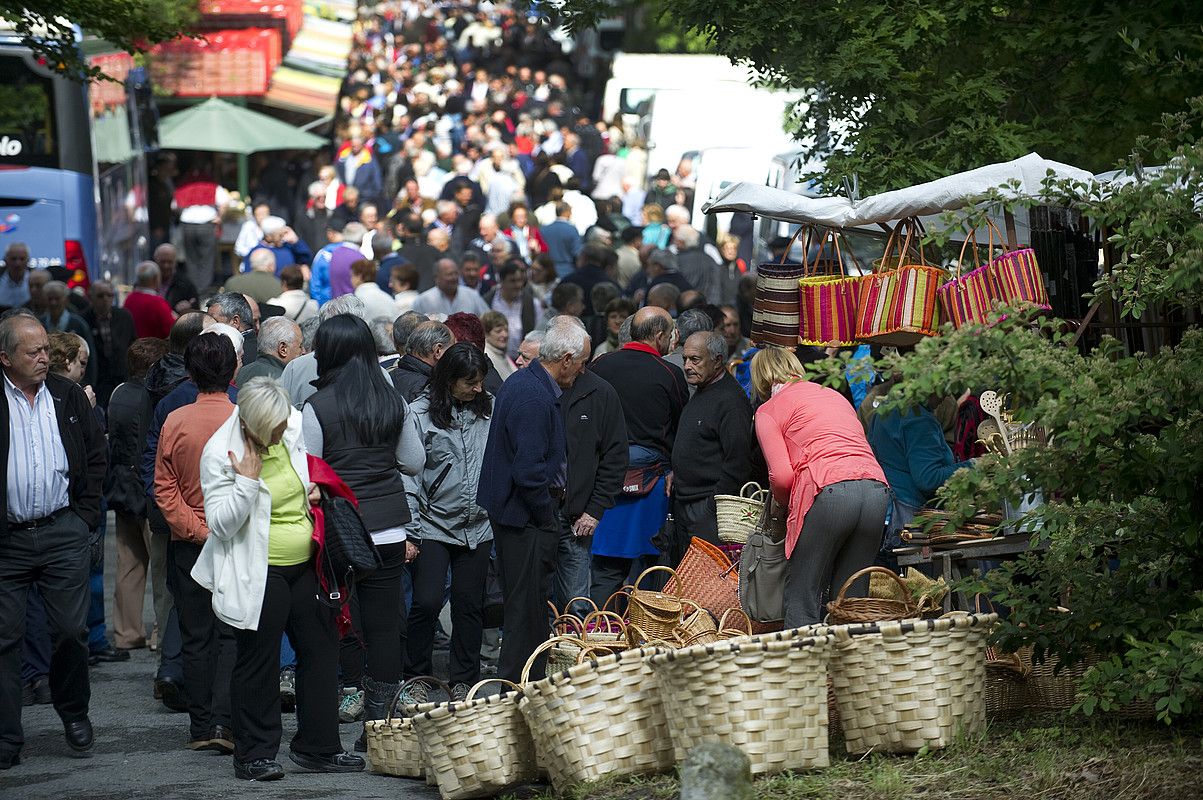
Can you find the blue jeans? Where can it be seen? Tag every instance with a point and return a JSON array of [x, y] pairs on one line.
[[572, 575]]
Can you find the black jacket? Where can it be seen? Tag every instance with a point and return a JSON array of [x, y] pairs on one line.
[[652, 392], [410, 376], [130, 413], [110, 368], [164, 375], [711, 453], [596, 441], [82, 439]]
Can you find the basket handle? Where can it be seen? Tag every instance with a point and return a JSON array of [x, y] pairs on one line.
[[392, 707], [743, 491], [625, 591], [606, 618], [569, 621], [824, 235], [486, 681], [656, 568], [547, 645], [790, 246], [588, 600], [906, 590], [722, 622]]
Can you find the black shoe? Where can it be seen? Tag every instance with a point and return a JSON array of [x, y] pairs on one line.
[[171, 693], [79, 735], [261, 769], [332, 762], [9, 760], [108, 655], [221, 741]]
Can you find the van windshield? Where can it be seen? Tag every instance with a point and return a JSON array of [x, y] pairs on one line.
[[28, 130]]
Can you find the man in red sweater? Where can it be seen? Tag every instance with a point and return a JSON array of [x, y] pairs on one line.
[[152, 315]]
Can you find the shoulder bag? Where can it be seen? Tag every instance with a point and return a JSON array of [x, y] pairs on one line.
[[349, 550], [762, 567]]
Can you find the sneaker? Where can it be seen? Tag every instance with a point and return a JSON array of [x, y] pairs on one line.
[[414, 695], [459, 692], [350, 708], [288, 689]]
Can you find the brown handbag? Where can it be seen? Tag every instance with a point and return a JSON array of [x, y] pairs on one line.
[[707, 577]]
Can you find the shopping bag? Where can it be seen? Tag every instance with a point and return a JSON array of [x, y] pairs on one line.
[[762, 568], [775, 306], [898, 304], [827, 297]]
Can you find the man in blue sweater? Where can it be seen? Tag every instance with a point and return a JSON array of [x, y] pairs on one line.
[[522, 483]]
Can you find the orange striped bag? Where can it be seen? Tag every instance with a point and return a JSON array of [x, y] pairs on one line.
[[898, 304], [827, 297]]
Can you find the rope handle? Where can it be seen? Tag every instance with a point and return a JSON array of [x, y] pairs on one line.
[[906, 590], [392, 707], [756, 489], [486, 681], [790, 246], [910, 226]]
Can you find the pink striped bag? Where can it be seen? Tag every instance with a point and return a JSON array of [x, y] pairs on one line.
[[827, 297], [968, 298], [898, 303], [1019, 279]]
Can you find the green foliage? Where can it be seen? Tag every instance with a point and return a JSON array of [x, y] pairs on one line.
[[935, 87], [131, 25]]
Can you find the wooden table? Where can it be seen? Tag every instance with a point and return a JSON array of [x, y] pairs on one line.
[[952, 559]]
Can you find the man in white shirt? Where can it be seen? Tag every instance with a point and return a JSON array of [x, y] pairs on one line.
[[14, 281], [448, 296]]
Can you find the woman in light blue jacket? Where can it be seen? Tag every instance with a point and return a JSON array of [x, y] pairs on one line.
[[453, 531]]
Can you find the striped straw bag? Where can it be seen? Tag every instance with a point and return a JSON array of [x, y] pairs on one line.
[[827, 297], [775, 308], [1020, 281], [898, 304], [969, 297]]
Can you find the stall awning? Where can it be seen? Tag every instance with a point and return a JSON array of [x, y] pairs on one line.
[[321, 47], [237, 62], [933, 197], [297, 90]]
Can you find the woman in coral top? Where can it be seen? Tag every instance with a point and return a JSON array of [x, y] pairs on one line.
[[822, 467]]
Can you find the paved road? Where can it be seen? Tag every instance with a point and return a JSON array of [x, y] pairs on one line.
[[140, 753]]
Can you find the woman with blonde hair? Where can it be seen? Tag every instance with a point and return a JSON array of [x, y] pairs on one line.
[[822, 468], [258, 562], [655, 230]]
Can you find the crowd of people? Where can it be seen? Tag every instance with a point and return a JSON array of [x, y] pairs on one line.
[[486, 326]]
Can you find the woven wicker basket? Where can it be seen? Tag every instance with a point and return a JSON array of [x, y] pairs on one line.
[[737, 514], [393, 747], [903, 686], [858, 610], [768, 698], [603, 718], [657, 614], [479, 747]]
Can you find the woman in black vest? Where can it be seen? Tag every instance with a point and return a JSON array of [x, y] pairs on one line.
[[361, 426]]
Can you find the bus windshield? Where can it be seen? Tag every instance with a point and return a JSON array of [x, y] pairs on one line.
[[28, 124]]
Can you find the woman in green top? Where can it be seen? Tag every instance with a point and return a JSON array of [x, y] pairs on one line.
[[258, 562]]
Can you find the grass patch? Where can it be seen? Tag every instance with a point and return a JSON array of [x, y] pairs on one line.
[[1041, 758]]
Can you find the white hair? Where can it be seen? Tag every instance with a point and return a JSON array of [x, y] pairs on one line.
[[263, 260], [343, 304], [147, 272], [677, 212], [229, 331], [262, 405], [275, 331], [565, 335]]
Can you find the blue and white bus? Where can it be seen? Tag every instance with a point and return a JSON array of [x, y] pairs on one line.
[[47, 173]]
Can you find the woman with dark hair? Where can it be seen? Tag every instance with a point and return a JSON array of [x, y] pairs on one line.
[[453, 418], [360, 425]]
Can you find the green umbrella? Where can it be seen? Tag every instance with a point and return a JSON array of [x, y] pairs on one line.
[[216, 126]]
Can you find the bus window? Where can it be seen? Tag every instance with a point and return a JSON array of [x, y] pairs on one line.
[[27, 120]]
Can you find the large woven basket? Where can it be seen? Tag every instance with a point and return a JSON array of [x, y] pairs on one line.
[[603, 718], [479, 747], [737, 514], [768, 698], [393, 747], [904, 686]]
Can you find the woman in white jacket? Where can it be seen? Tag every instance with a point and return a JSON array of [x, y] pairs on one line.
[[258, 563]]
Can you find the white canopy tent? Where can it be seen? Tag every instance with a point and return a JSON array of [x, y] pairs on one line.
[[925, 199]]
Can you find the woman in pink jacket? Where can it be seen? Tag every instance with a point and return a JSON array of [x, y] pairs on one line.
[[821, 466]]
